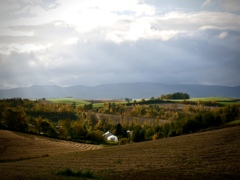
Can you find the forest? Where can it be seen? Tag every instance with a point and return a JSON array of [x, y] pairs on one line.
[[86, 123]]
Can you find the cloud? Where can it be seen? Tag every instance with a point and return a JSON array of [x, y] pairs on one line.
[[222, 35], [36, 37], [165, 27], [16, 9], [230, 5], [72, 40], [206, 2], [95, 62], [227, 5], [93, 42], [171, 25]]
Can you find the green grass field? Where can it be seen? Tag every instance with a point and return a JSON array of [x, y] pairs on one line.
[[211, 99], [207, 99], [68, 101], [96, 103], [220, 100], [100, 103]]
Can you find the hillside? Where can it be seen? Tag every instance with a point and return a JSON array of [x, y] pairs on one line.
[[123, 90], [16, 146], [213, 154]]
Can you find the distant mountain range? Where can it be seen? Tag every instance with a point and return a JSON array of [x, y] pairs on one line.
[[121, 90]]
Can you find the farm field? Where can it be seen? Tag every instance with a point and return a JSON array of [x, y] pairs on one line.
[[221, 100], [208, 99], [15, 146], [212, 154], [68, 101], [96, 103], [99, 103]]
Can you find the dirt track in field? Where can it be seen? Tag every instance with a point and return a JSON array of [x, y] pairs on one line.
[[213, 155]]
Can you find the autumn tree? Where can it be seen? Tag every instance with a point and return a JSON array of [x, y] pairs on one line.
[[15, 119], [138, 134], [48, 128], [177, 95], [64, 128], [120, 131], [79, 130]]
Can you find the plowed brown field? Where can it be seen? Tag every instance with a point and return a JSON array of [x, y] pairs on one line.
[[213, 155]]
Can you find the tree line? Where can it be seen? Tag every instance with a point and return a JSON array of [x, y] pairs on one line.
[[177, 95], [84, 124]]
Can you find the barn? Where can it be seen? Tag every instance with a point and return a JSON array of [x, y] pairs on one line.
[[110, 137]]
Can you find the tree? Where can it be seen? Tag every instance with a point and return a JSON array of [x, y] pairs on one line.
[[15, 119], [74, 105], [88, 107], [103, 124], [119, 131], [92, 118], [152, 98], [113, 108], [2, 122], [47, 128], [65, 128], [138, 134], [166, 129], [79, 130], [149, 132], [177, 95], [128, 100]]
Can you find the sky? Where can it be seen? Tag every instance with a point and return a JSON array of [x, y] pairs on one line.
[[93, 42]]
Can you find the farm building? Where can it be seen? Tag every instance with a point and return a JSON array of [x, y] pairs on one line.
[[110, 137]]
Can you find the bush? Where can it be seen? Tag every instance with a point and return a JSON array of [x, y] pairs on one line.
[[155, 137], [96, 136], [79, 173]]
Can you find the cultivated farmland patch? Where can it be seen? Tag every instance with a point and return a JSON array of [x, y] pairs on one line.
[[206, 155], [16, 146]]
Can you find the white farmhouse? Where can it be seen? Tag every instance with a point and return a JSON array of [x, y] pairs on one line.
[[110, 137]]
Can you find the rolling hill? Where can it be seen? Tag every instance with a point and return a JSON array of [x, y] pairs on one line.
[[211, 155], [16, 146], [122, 90]]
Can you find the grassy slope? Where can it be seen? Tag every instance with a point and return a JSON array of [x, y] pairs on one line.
[[96, 103], [213, 154], [221, 100], [99, 103], [211, 99], [68, 101]]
